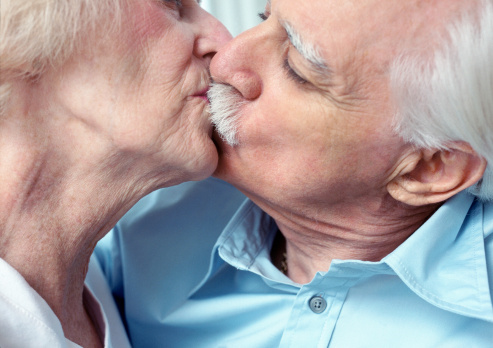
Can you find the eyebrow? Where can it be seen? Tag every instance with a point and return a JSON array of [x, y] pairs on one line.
[[307, 50]]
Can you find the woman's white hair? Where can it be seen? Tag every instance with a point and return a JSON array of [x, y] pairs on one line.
[[450, 96], [37, 34]]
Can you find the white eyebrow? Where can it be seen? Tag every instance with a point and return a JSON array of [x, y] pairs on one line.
[[309, 51]]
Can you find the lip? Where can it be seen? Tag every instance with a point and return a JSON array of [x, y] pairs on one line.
[[202, 94]]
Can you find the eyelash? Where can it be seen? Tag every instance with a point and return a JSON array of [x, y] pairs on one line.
[[291, 73], [263, 16], [174, 4], [177, 2]]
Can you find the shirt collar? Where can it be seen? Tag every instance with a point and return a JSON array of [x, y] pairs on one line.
[[246, 237], [246, 243], [444, 261], [21, 306]]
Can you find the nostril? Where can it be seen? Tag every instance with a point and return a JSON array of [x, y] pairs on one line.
[[248, 83]]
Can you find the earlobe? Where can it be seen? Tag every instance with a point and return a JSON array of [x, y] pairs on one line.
[[436, 175]]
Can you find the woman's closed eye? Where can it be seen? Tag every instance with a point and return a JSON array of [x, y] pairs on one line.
[[175, 5], [263, 16]]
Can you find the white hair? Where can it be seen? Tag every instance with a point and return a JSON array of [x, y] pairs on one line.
[[37, 34], [450, 96]]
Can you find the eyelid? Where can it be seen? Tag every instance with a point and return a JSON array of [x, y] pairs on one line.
[[177, 3], [291, 73], [266, 14]]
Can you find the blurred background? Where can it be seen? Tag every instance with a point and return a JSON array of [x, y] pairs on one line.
[[236, 15]]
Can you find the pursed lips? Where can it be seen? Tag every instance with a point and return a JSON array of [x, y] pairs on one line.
[[202, 94]]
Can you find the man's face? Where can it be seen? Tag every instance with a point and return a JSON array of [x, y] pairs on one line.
[[314, 114]]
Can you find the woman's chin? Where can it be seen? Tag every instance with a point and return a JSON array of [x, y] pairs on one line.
[[202, 163], [208, 162]]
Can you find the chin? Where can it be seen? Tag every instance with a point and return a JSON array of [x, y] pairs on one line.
[[221, 171], [206, 164]]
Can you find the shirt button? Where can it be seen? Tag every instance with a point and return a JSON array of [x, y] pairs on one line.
[[317, 304]]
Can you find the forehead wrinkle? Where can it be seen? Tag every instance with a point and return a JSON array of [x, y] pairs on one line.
[[309, 51]]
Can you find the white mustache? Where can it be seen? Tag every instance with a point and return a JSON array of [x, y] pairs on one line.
[[225, 102]]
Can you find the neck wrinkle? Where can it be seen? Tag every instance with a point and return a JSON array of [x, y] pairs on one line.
[[351, 233]]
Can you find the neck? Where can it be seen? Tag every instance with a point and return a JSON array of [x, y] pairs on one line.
[[366, 232], [49, 229], [56, 204]]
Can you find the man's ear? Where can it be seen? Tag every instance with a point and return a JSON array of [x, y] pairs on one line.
[[432, 176]]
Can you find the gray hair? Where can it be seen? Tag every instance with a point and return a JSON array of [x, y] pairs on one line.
[[450, 96], [37, 34]]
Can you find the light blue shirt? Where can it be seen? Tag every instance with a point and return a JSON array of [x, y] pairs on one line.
[[193, 268]]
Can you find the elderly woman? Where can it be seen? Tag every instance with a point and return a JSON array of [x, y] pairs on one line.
[[102, 102]]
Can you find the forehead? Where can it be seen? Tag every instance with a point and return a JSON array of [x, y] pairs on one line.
[[376, 28]]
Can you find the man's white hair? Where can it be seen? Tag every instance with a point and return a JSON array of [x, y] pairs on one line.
[[37, 34], [450, 96]]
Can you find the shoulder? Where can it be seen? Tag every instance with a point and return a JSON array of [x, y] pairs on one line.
[[488, 231], [167, 240], [209, 202], [488, 240], [176, 224]]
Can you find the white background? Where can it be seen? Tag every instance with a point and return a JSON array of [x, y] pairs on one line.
[[236, 15]]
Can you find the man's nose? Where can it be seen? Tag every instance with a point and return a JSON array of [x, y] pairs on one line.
[[239, 64]]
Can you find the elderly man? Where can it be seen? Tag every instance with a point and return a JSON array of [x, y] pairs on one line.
[[360, 132]]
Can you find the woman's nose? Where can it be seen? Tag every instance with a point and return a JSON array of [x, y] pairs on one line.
[[211, 35]]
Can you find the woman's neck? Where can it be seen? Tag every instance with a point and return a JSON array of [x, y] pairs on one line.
[[51, 221], [56, 205]]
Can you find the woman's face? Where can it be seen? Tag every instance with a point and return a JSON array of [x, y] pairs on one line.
[[142, 91]]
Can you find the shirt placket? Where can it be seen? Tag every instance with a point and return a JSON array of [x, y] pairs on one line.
[[315, 311]]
